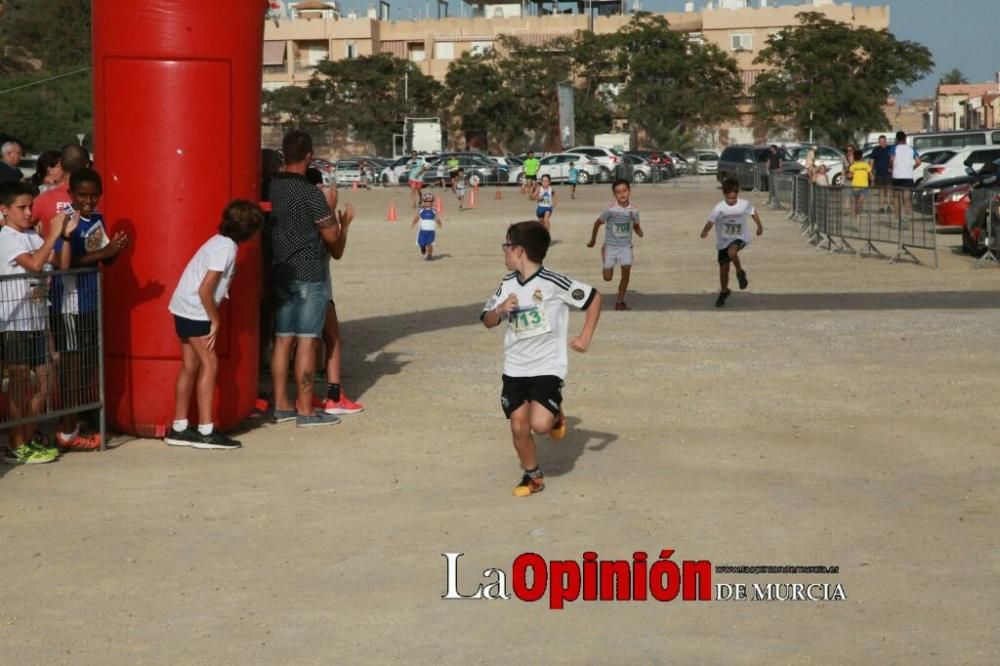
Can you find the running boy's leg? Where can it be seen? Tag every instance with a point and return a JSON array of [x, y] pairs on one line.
[[623, 283], [520, 430]]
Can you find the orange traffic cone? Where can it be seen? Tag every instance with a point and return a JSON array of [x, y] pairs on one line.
[[499, 194], [438, 205], [354, 186], [472, 197], [391, 217]]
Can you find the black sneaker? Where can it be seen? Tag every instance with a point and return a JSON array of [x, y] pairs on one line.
[[721, 300], [741, 277], [216, 441], [185, 438]]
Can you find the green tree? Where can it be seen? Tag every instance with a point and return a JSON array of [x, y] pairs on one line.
[[595, 74], [839, 75], [954, 77], [45, 83], [373, 94], [671, 82], [479, 98], [294, 107]]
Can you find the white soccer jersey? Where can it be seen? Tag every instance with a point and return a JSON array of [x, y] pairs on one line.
[[619, 222], [732, 223], [535, 343]]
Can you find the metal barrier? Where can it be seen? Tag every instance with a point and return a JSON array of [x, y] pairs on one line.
[[52, 350], [834, 218], [782, 188]]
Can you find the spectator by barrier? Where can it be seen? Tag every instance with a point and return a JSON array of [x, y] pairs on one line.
[[52, 360]]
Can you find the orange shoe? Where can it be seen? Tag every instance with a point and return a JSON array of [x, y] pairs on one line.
[[342, 406], [81, 442], [559, 430], [529, 486]]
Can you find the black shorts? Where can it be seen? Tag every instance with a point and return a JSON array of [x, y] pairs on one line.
[[902, 182], [724, 253], [75, 332], [546, 390], [883, 180], [191, 328], [530, 179], [28, 348]]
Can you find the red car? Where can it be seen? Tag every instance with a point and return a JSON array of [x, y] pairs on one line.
[[951, 206]]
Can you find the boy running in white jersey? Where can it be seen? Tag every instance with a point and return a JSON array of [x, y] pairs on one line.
[[535, 302], [621, 218], [731, 219]]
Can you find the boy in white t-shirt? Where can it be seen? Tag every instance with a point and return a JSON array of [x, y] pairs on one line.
[[535, 302], [24, 313], [731, 219], [620, 219], [203, 284]]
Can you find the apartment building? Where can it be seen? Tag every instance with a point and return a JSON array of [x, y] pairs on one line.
[[301, 34], [967, 106]]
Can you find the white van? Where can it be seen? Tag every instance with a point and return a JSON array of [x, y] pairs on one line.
[[957, 139]]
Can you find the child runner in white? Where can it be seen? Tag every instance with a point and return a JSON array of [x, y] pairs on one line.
[[428, 219], [546, 198], [621, 218], [458, 187], [535, 302], [731, 219]]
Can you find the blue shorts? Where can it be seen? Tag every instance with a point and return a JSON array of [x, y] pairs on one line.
[[541, 211], [425, 238], [300, 309], [191, 328]]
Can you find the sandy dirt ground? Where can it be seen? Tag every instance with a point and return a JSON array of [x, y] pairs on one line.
[[841, 411]]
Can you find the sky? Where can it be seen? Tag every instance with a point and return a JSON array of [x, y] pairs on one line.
[[963, 34]]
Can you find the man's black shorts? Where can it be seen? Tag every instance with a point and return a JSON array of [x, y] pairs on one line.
[[546, 390], [724, 253], [883, 180], [26, 348], [530, 179], [902, 182]]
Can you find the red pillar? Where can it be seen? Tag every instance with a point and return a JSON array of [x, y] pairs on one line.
[[176, 137]]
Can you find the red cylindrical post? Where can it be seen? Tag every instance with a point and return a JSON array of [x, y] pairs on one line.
[[176, 136]]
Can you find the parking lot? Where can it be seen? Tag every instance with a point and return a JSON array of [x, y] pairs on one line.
[[839, 412]]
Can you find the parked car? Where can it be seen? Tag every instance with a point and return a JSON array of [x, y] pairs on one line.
[[347, 171], [515, 165], [476, 167], [556, 167], [680, 162], [748, 165], [828, 156], [325, 167], [705, 161], [640, 167], [27, 165], [395, 171], [964, 162], [659, 161], [606, 158]]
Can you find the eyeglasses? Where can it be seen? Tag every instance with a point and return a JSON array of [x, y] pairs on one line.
[[507, 246]]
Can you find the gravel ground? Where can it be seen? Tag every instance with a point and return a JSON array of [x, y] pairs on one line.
[[835, 413]]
